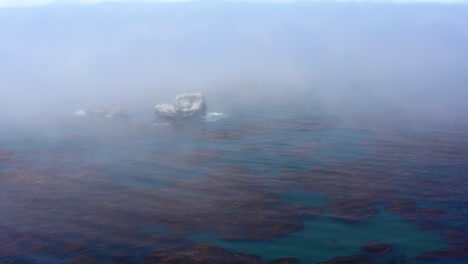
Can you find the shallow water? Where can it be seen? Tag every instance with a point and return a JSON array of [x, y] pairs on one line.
[[310, 187]]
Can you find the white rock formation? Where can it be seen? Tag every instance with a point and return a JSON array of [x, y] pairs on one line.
[[165, 110], [188, 106]]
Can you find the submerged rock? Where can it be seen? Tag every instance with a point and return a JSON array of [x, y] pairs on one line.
[[207, 254], [378, 248], [352, 211], [186, 107], [355, 259], [457, 252]]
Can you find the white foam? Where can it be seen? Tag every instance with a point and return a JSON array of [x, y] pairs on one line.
[[215, 116]]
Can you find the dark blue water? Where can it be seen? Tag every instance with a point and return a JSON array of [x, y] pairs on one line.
[[257, 186]]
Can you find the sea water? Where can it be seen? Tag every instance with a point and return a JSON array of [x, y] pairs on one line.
[[103, 187]]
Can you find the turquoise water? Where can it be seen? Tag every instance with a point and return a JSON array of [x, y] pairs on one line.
[[324, 238]]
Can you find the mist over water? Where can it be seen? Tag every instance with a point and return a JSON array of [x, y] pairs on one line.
[[329, 125], [342, 57]]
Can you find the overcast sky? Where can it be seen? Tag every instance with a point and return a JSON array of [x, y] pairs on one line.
[[25, 3]]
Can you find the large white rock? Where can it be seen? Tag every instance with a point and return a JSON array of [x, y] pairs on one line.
[[187, 106], [165, 110]]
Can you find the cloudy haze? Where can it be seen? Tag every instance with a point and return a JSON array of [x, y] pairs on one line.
[[344, 55], [6, 3]]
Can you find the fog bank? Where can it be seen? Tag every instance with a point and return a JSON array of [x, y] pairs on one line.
[[341, 57]]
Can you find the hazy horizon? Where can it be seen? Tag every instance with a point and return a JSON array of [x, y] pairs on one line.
[[342, 56]]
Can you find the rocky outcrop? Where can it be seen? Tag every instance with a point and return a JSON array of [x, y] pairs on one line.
[[186, 107]]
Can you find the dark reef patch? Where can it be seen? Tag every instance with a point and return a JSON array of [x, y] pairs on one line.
[[357, 259], [378, 248], [458, 252], [205, 253]]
